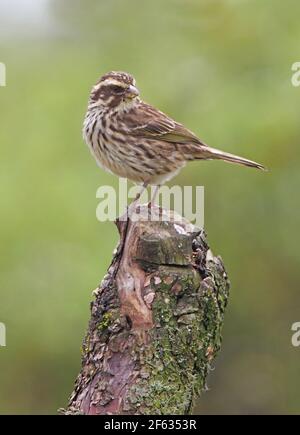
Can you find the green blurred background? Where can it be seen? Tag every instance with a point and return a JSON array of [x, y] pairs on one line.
[[223, 68]]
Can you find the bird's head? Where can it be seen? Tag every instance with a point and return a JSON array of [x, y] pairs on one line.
[[114, 88]]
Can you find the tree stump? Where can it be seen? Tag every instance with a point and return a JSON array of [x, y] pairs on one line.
[[155, 323]]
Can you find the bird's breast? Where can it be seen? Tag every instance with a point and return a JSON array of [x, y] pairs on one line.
[[136, 158]]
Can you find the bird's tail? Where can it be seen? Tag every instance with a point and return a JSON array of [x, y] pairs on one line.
[[207, 153]]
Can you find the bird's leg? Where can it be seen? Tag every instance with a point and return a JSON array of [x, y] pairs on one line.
[[132, 207], [152, 201], [128, 213]]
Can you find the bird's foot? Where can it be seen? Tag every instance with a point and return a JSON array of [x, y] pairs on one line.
[[155, 212]]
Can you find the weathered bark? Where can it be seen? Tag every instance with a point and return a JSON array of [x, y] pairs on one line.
[[155, 323]]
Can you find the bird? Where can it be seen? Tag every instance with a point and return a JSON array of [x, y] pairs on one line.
[[132, 139]]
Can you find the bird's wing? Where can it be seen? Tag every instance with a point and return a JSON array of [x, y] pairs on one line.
[[148, 122]]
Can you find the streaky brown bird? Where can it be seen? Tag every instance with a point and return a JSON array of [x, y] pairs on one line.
[[132, 139]]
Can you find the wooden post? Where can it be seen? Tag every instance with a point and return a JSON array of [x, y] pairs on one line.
[[155, 322]]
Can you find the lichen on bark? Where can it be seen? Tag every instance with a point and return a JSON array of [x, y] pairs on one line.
[[155, 323]]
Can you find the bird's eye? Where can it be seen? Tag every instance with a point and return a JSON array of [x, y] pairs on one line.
[[117, 89]]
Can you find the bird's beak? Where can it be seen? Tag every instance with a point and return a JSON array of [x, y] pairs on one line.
[[132, 92]]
